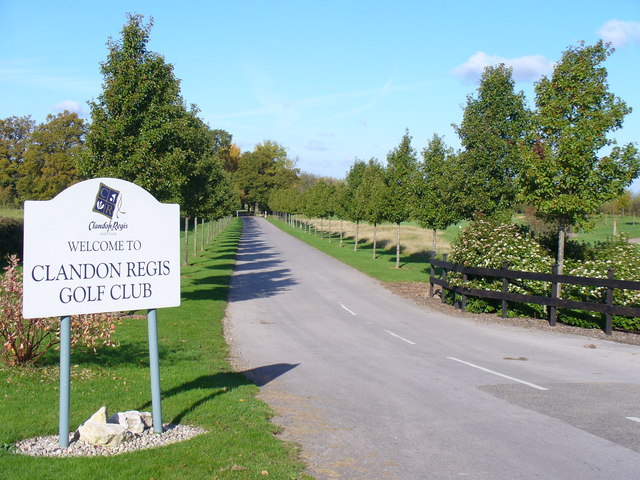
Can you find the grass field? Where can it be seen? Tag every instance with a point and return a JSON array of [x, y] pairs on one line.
[[199, 387]]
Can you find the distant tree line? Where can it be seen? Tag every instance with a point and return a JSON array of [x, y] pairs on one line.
[[557, 159]]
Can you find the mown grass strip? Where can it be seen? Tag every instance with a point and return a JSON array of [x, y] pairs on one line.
[[413, 268], [199, 387]]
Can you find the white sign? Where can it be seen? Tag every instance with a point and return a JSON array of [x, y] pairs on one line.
[[102, 245]]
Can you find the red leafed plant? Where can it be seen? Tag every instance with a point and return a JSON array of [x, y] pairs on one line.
[[24, 341]]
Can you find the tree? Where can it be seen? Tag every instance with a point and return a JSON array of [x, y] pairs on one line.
[[565, 179], [439, 190], [354, 210], [51, 157], [401, 176], [261, 171], [15, 133], [140, 129], [320, 203], [372, 196], [493, 126]]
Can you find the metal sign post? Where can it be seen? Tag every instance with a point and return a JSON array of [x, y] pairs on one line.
[[65, 382], [154, 368]]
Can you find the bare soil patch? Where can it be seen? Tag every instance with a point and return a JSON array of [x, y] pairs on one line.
[[419, 293]]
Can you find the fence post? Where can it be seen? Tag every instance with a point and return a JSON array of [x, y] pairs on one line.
[[463, 303], [444, 276], [554, 296], [608, 318], [505, 289], [432, 273]]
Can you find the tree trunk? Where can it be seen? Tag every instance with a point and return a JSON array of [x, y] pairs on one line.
[[321, 228], [375, 242], [341, 234], [615, 226], [562, 233], [433, 242], [398, 247], [329, 230], [186, 241], [355, 245], [195, 236], [202, 242]]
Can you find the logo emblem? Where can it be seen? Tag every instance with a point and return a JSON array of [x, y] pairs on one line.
[[106, 201]]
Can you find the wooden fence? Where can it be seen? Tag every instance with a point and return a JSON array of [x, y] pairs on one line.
[[553, 301]]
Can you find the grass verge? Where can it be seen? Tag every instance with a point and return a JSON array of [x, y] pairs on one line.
[[413, 267], [198, 385]]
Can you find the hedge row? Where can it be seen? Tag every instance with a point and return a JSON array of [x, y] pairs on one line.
[[11, 235]]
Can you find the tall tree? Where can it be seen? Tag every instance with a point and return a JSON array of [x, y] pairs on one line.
[[141, 131], [15, 134], [401, 176], [565, 177], [50, 161], [261, 171], [493, 126], [440, 189], [372, 195]]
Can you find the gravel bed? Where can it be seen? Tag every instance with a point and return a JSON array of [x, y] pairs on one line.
[[49, 446]]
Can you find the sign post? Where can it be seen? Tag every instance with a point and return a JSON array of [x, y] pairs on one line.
[[102, 245]]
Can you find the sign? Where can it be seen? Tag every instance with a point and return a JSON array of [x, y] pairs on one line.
[[102, 245]]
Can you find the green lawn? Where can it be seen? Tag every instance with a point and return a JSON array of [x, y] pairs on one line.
[[414, 268], [199, 387]]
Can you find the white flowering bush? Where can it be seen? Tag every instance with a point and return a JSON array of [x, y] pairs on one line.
[[624, 258], [487, 244]]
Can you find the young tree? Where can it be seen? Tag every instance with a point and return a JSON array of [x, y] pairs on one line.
[[401, 175], [565, 178], [50, 161], [354, 210], [439, 190], [493, 125], [372, 195]]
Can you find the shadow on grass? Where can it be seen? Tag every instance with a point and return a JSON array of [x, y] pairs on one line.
[[221, 383], [127, 353]]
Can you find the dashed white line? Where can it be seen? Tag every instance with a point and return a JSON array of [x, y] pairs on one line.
[[350, 311], [533, 385], [634, 419], [401, 338]]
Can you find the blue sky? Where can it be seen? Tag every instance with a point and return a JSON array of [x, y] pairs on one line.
[[330, 80]]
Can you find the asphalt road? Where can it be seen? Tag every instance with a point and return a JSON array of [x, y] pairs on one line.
[[375, 387]]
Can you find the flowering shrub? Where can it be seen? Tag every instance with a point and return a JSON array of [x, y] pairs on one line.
[[24, 341], [487, 244], [624, 258]]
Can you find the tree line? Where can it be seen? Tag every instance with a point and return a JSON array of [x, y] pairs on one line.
[[557, 159]]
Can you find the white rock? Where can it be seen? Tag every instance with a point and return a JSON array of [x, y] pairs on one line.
[[98, 433], [100, 416], [133, 421]]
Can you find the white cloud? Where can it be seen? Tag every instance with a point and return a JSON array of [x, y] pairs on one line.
[[524, 68], [620, 33], [70, 105]]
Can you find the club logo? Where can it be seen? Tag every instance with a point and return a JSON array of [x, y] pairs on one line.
[[106, 201]]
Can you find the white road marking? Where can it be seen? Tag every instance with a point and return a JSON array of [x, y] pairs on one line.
[[634, 419], [533, 385], [351, 312], [401, 338]]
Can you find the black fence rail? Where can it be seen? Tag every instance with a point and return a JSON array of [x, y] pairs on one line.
[[608, 309]]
